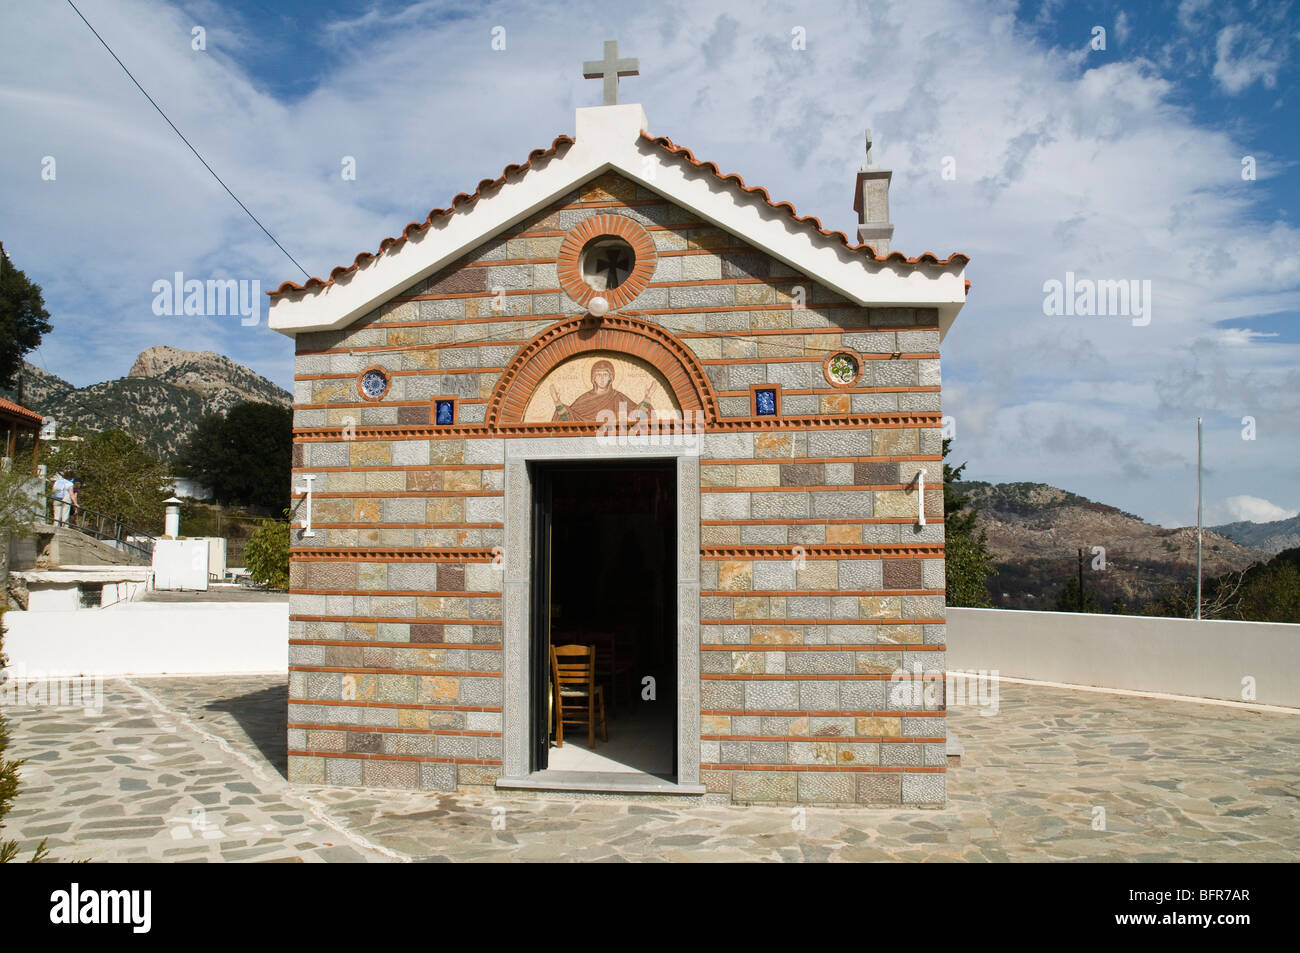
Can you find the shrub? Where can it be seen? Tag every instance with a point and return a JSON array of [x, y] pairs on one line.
[[266, 556], [968, 565]]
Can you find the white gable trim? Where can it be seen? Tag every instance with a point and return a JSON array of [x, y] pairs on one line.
[[609, 137]]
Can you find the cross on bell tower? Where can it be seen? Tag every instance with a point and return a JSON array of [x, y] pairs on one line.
[[610, 69]]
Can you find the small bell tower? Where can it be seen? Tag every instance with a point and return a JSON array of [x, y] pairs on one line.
[[871, 202]]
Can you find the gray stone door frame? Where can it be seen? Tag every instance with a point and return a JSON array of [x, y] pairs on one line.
[[517, 710]]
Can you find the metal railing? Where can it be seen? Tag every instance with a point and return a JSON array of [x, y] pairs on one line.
[[106, 529]]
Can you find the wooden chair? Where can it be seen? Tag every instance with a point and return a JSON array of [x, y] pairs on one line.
[[578, 699]]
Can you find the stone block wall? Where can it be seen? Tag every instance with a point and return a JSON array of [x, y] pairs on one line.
[[817, 584], [818, 587]]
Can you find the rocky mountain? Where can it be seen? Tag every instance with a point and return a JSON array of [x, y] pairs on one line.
[[218, 379], [1272, 537], [161, 400], [1035, 531]]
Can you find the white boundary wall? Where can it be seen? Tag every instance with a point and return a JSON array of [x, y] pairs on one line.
[[201, 638], [1207, 659]]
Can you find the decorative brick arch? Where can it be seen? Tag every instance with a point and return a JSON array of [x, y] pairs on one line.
[[613, 332]]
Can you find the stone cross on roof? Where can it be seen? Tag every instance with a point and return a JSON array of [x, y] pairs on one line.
[[610, 69]]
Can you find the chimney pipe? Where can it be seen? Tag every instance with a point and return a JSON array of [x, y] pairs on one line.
[[172, 520]]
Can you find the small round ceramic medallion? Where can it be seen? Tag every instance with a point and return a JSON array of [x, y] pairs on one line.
[[842, 368], [373, 383]]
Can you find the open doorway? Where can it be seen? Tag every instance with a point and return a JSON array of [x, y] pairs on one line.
[[604, 570]]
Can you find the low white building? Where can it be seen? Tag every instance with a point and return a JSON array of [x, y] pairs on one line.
[[83, 587]]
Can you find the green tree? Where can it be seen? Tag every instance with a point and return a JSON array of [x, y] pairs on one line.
[[21, 506], [1271, 592], [1265, 592], [23, 319], [1068, 599], [20, 502], [120, 478], [244, 456], [968, 562], [1175, 602], [266, 556]]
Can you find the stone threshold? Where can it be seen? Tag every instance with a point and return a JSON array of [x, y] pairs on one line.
[[599, 782]]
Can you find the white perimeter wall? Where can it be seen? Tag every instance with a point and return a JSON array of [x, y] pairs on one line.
[[151, 639], [1208, 659]]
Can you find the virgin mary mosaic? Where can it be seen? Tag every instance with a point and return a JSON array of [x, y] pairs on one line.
[[617, 387]]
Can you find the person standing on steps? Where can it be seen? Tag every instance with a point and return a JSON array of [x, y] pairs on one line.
[[64, 494]]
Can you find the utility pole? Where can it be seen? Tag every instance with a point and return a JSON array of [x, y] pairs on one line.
[[1081, 579], [1198, 518]]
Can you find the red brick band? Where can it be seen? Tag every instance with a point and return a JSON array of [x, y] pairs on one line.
[[816, 551], [396, 555]]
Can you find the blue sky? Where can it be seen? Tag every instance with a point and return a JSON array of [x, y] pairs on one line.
[[1122, 163]]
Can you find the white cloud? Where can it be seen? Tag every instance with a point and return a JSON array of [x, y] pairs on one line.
[[1244, 55], [1065, 160], [1235, 509], [1237, 337], [1189, 11], [1122, 27]]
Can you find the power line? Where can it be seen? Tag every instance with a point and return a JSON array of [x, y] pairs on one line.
[[187, 142]]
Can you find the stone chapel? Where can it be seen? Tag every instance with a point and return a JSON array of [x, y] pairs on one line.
[[618, 399]]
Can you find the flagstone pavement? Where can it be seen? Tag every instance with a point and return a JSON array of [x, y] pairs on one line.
[[192, 769]]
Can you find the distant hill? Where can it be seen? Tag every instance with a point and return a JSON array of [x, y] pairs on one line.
[[1035, 531], [216, 378], [1271, 537], [159, 402], [39, 388]]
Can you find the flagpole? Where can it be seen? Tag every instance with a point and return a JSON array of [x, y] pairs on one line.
[[1198, 517]]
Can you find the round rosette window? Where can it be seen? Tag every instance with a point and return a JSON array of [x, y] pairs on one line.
[[606, 256], [842, 369], [373, 383], [606, 262]]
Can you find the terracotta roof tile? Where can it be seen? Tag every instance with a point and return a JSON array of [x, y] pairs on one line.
[[17, 410], [462, 200], [457, 204], [927, 258]]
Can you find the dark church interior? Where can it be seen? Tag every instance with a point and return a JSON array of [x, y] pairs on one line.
[[613, 585]]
